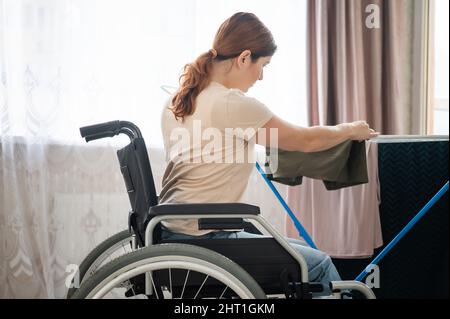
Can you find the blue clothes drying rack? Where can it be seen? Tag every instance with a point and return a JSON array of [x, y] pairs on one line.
[[303, 233]]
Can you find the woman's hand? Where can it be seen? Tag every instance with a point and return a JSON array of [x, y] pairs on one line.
[[360, 131]]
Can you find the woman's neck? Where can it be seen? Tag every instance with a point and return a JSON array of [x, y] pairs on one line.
[[222, 73]]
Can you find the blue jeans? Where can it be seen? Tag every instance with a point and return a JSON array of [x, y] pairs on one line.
[[320, 266]]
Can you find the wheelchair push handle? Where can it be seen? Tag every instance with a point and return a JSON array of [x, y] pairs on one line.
[[109, 129], [105, 129]]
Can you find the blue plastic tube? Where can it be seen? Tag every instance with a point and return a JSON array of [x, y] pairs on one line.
[[301, 230]]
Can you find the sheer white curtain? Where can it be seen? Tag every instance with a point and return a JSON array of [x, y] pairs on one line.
[[69, 63]]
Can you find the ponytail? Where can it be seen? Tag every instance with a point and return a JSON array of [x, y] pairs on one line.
[[195, 78]]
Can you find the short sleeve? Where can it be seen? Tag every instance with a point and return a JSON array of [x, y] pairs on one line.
[[245, 114]]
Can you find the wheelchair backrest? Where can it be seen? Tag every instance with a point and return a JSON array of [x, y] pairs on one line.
[[135, 167], [138, 177]]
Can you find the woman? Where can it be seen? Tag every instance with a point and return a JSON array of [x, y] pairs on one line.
[[211, 95]]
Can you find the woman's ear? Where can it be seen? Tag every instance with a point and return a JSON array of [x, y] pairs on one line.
[[244, 58]]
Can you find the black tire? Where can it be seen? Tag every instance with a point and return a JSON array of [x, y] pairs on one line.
[[96, 253], [167, 252]]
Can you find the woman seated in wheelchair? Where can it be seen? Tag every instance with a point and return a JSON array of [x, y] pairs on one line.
[[211, 99]]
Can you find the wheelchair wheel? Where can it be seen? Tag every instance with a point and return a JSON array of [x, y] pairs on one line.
[[111, 248], [175, 271]]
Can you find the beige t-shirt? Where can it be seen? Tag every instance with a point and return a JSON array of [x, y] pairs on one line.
[[211, 154]]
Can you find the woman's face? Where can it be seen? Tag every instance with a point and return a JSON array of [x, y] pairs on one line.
[[256, 70], [249, 71]]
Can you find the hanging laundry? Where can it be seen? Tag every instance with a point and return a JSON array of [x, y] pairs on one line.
[[341, 166]]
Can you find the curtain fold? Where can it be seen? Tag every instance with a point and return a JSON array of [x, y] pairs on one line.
[[361, 62]]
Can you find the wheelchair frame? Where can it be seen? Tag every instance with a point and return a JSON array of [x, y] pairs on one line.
[[156, 213], [334, 285]]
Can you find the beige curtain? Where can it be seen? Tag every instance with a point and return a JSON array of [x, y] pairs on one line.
[[365, 59]]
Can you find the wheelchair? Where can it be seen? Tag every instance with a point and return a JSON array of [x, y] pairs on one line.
[[137, 263]]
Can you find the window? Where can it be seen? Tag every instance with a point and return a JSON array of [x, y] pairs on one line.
[[85, 62], [438, 123]]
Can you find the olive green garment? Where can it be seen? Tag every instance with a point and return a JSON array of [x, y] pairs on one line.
[[341, 166]]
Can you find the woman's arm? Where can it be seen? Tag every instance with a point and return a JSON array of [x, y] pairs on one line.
[[313, 139]]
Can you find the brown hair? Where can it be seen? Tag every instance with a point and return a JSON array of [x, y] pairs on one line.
[[242, 31]]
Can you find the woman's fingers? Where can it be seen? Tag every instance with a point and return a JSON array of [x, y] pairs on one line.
[[363, 131]]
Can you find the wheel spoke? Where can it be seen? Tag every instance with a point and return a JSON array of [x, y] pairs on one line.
[[223, 292], [154, 286], [132, 289], [170, 281], [184, 286], [195, 297]]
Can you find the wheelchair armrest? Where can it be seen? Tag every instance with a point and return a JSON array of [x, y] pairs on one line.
[[204, 208]]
